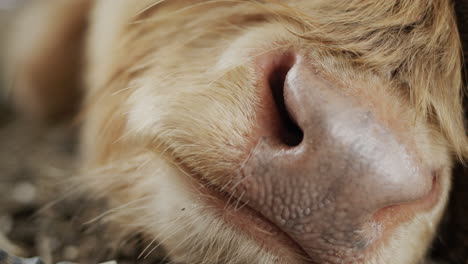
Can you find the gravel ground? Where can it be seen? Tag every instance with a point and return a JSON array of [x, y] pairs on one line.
[[38, 216]]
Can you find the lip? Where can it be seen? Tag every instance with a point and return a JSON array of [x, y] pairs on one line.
[[251, 223]]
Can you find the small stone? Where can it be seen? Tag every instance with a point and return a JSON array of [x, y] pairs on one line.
[[35, 260], [24, 192], [71, 252]]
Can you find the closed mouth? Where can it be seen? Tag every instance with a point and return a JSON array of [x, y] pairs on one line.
[[248, 221]]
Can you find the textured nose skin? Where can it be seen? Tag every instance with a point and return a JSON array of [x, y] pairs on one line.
[[324, 192]]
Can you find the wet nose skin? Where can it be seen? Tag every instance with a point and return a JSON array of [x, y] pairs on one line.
[[325, 191]]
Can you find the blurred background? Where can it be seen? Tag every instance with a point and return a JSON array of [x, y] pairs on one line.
[[38, 214]]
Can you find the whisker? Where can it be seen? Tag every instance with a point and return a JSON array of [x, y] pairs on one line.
[[152, 5], [116, 209], [187, 8], [184, 214]]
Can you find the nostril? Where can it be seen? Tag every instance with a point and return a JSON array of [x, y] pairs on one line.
[[290, 133]]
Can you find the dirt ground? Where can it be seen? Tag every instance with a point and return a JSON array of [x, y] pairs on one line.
[[39, 217]]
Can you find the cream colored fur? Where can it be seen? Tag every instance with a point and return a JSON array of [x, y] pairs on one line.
[[170, 88]]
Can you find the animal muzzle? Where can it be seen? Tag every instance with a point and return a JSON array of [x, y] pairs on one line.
[[323, 167]]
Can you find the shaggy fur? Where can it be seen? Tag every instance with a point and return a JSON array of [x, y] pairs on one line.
[[170, 97]]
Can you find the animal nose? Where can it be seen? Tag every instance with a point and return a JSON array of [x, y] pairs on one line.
[[324, 165]]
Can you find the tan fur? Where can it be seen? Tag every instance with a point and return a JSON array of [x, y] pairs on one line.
[[170, 88]]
